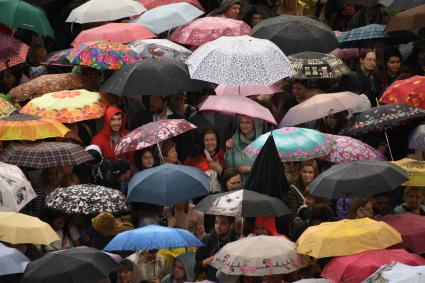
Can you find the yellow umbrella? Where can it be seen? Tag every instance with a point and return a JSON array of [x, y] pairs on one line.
[[18, 228], [346, 237], [415, 170]]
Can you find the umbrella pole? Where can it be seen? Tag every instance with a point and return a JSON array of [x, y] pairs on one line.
[[161, 158], [386, 137]]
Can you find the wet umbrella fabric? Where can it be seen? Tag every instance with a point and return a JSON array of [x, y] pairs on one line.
[[12, 261], [12, 52], [408, 20]]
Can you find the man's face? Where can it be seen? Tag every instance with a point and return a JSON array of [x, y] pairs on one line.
[[179, 272], [222, 225], [256, 18], [156, 104], [116, 122]]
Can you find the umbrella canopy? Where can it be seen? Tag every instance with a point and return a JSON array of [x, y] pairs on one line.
[[381, 118], [207, 29], [18, 228], [166, 17], [152, 76], [45, 84], [81, 264], [243, 203], [30, 127], [247, 90], [237, 104], [86, 199], [15, 190], [357, 267], [258, 256], [415, 171], [12, 51], [294, 144], [321, 105], [150, 4], [417, 138], [12, 261], [409, 91], [114, 32], [102, 55], [153, 237], [20, 14], [105, 11], [153, 133], [45, 154], [58, 58], [411, 19], [6, 108], [346, 237], [68, 106], [154, 48], [294, 34], [216, 62], [168, 184], [358, 179], [396, 272]]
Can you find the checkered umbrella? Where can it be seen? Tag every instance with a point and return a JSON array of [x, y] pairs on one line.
[[45, 154]]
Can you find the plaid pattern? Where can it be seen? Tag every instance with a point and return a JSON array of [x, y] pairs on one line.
[[45, 154], [357, 37]]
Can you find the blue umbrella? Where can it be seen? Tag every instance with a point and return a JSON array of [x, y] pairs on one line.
[[12, 261], [153, 237], [166, 17], [168, 184]]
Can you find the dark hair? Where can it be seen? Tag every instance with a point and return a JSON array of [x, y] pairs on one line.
[[227, 175], [391, 52], [167, 146], [364, 52], [352, 82], [322, 213], [126, 264], [139, 155], [355, 205]]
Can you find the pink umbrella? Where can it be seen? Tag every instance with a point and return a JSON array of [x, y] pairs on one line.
[[347, 149], [207, 29], [237, 104], [114, 32], [247, 90], [345, 54]]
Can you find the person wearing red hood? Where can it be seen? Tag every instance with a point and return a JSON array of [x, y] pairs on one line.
[[111, 134], [265, 226]]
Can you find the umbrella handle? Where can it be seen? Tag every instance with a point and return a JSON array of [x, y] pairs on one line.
[[161, 158], [386, 137]]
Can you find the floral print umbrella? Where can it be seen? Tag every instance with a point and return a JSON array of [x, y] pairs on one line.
[[12, 52], [103, 55], [87, 199], [68, 106], [6, 108], [294, 144], [410, 91]]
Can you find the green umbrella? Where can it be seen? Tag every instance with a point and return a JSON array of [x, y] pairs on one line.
[[20, 14]]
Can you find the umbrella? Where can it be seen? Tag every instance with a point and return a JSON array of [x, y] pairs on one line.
[[166, 17], [243, 203], [346, 237], [321, 105], [401, 4], [294, 34], [86, 199], [167, 184], [12, 51], [315, 65], [357, 267], [415, 171], [15, 190], [358, 179], [313, 280], [105, 11], [114, 32], [216, 62], [153, 237], [409, 91], [258, 256], [68, 106], [294, 144], [152, 133], [30, 127], [18, 228], [347, 149], [12, 261], [207, 29], [152, 76], [150, 4], [247, 90], [45, 154], [45, 84], [396, 272], [382, 118], [411, 228], [232, 104], [6, 108], [20, 14], [81, 264], [58, 58], [102, 55], [151, 48], [417, 138]]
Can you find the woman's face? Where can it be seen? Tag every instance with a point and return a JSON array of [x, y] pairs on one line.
[[210, 142], [171, 156], [414, 199], [147, 160], [58, 223], [331, 122], [233, 11], [369, 61], [394, 64], [246, 124], [365, 211], [234, 183], [299, 91], [124, 275], [307, 174]]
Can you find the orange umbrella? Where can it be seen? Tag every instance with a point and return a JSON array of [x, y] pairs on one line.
[[410, 91]]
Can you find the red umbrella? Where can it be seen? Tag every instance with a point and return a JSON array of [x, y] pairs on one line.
[[150, 4], [12, 51], [410, 91], [411, 228], [356, 268]]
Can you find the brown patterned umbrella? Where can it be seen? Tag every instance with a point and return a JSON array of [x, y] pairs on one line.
[[12, 51]]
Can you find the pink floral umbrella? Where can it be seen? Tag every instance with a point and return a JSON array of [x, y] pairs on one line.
[[247, 90], [347, 149]]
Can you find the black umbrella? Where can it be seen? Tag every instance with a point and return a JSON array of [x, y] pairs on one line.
[[294, 34], [358, 179], [152, 76], [243, 203], [76, 265]]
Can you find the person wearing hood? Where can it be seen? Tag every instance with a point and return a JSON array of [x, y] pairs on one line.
[[182, 269], [111, 134], [228, 9]]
